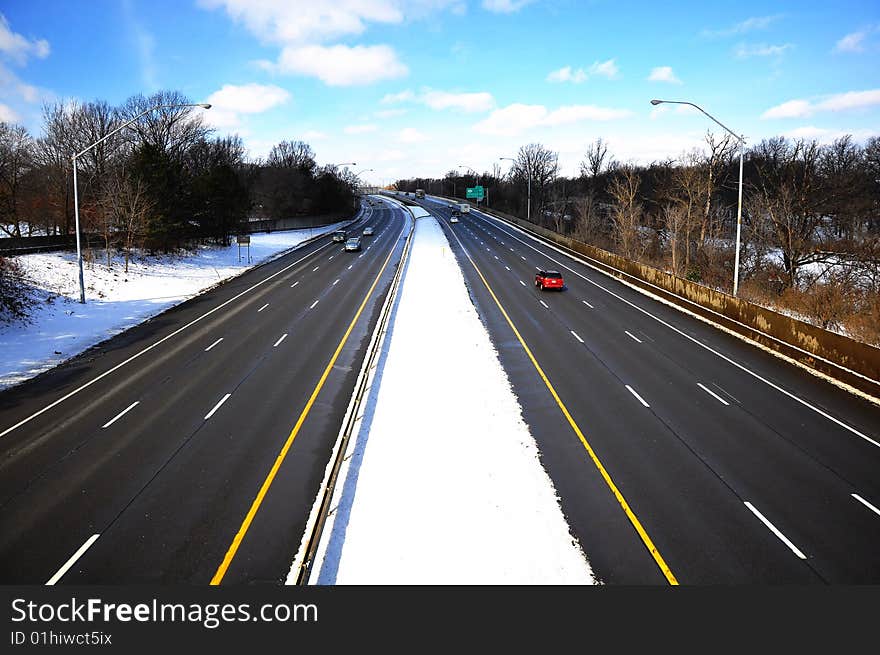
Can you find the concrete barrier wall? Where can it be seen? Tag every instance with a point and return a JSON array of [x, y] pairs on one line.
[[843, 358]]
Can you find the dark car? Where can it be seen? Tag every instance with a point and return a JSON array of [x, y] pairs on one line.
[[549, 280], [339, 235]]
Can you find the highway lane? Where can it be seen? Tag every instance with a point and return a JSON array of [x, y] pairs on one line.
[[732, 479], [168, 482]]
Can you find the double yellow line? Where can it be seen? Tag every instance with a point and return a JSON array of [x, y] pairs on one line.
[[574, 426], [264, 489]]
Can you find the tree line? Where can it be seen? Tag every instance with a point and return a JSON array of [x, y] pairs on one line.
[[159, 184], [810, 226]]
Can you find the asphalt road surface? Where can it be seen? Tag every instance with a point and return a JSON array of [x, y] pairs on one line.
[[195, 451], [679, 452]]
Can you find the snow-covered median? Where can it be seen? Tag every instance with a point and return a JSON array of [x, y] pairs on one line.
[[61, 327], [444, 485]]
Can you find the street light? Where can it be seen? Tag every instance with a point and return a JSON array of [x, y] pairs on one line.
[[529, 197], [365, 170], [82, 288], [742, 146]]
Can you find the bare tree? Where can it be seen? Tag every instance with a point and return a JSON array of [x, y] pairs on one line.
[[792, 196], [716, 160], [16, 160], [596, 160], [171, 130], [627, 212], [126, 200], [292, 154], [675, 221], [540, 165]]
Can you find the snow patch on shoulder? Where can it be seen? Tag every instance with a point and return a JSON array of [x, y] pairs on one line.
[[60, 327], [445, 485]]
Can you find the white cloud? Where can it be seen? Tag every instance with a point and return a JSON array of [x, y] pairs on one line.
[[790, 109], [825, 135], [606, 69], [439, 100], [316, 21], [7, 115], [19, 48], [411, 135], [505, 6], [663, 74], [314, 135], [854, 42], [517, 118], [403, 96], [748, 25], [231, 100], [469, 102], [565, 74], [850, 100], [342, 65], [360, 129], [744, 50], [249, 98], [838, 102]]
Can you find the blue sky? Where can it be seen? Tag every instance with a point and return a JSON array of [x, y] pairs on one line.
[[418, 87]]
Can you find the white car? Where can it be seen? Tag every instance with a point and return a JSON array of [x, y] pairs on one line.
[[368, 231], [454, 219]]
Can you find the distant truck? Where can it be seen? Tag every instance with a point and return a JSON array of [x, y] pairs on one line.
[[464, 208], [420, 193]]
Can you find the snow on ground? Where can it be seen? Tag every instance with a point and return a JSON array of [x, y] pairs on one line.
[[61, 327], [444, 485]]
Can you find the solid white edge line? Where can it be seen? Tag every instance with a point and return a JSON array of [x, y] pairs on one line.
[[713, 394], [684, 334], [632, 336], [262, 308], [638, 397], [73, 558], [217, 406], [283, 337], [160, 341], [213, 344], [314, 303], [866, 504], [120, 414], [773, 529]]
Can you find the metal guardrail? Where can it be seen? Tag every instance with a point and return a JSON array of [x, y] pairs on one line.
[[300, 573]]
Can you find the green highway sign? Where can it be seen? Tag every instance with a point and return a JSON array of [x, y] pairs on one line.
[[475, 192]]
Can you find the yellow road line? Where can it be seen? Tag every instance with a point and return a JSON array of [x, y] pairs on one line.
[[574, 426], [255, 506]]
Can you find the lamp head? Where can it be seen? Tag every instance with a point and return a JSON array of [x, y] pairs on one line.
[[656, 102], [204, 105]]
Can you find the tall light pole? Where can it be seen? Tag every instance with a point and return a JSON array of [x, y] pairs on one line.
[[365, 170], [529, 197], [742, 145], [82, 288]]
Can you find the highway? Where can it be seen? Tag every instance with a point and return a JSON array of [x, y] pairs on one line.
[[190, 449], [680, 453]]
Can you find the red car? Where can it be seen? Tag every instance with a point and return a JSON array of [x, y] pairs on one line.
[[549, 280]]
